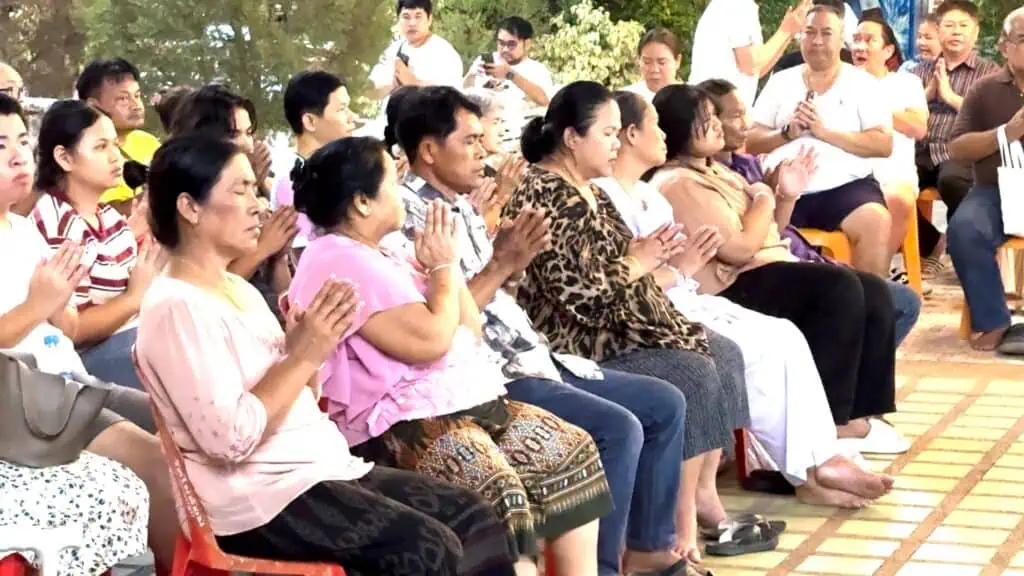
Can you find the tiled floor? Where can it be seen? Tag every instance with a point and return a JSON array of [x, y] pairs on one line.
[[958, 504]]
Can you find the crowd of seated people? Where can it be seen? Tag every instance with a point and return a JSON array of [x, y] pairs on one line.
[[432, 354]]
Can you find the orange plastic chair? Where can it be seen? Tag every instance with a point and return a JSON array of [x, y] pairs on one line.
[[837, 245], [198, 554], [925, 200], [1013, 243]]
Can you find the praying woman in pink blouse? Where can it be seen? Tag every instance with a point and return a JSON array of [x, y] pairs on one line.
[[239, 396]]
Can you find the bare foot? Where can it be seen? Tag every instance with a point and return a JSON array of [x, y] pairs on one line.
[[858, 428], [686, 538], [634, 561], [818, 495], [839, 473]]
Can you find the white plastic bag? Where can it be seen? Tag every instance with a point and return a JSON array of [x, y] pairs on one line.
[[1011, 184]]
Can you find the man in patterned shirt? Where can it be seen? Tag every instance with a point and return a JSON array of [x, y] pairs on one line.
[[947, 80], [441, 134]]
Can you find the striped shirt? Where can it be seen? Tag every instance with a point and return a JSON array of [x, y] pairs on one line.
[[110, 247], [941, 115]]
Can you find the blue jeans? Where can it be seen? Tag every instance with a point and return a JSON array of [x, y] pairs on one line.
[[906, 306], [111, 360], [637, 423], [975, 232]]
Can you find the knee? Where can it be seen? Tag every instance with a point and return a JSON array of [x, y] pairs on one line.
[[845, 295], [440, 549], [870, 222], [971, 228], [619, 433]]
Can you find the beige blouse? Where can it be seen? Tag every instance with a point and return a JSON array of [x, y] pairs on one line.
[[715, 195]]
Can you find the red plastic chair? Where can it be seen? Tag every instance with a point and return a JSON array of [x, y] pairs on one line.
[[198, 554]]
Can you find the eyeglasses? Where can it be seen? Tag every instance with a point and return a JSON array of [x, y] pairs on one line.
[[15, 92], [508, 44]]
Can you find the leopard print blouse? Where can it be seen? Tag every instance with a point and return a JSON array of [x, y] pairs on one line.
[[578, 292]]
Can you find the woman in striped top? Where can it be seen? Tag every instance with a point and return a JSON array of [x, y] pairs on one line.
[[78, 161]]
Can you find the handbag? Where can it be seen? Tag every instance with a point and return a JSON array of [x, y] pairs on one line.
[[1011, 184], [44, 417]]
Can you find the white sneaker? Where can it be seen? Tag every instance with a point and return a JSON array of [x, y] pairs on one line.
[[882, 438]]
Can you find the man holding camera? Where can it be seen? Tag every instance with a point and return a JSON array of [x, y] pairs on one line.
[[418, 57], [521, 81]]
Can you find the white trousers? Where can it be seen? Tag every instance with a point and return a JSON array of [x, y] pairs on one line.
[[789, 412]]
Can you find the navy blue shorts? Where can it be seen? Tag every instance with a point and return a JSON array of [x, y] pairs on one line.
[[826, 210]]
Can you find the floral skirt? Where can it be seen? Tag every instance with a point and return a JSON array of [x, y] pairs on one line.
[[106, 500], [542, 475]]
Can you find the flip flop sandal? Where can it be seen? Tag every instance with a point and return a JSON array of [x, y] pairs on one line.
[[750, 519], [680, 568], [744, 539]]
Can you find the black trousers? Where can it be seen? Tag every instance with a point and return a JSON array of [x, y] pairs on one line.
[[848, 320], [953, 181], [387, 522]]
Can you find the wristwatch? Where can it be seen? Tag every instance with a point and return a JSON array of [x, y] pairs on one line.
[[785, 133], [511, 75]]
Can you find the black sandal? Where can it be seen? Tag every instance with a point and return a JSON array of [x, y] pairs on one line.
[[744, 538], [715, 532]]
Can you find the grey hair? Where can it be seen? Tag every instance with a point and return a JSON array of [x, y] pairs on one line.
[[1008, 21], [482, 98]]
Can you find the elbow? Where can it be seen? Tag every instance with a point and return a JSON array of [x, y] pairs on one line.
[[884, 146], [957, 151]]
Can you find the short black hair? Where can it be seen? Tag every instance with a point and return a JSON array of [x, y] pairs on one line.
[[170, 100], [184, 165], [827, 7], [426, 5], [11, 107], [518, 27], [965, 6], [932, 19], [63, 125], [332, 178], [211, 111], [717, 88], [680, 112], [888, 39], [308, 91], [400, 103], [436, 116], [92, 78]]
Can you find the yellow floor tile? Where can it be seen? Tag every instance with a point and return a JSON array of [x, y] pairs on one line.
[[793, 507], [993, 488], [790, 540], [858, 547], [913, 417], [913, 430], [999, 411], [946, 384], [971, 536], [941, 470], [840, 565], [1018, 560], [1004, 388], [981, 519], [930, 398], [894, 513], [895, 530], [932, 569], [1013, 573], [948, 457], [912, 498], [954, 553], [1003, 474], [739, 501], [999, 400], [763, 560], [985, 422], [973, 433], [961, 445], [924, 483], [992, 504], [1017, 447], [801, 524], [1011, 461], [924, 407]]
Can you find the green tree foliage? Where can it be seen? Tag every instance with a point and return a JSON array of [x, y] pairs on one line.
[[585, 44], [471, 25], [993, 12], [253, 46], [42, 43]]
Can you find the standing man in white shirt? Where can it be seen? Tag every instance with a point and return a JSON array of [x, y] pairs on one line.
[[418, 57], [834, 109], [510, 71], [728, 44]]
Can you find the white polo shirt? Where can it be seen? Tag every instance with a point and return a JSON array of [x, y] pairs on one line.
[[511, 96], [435, 63], [725, 26], [853, 104]]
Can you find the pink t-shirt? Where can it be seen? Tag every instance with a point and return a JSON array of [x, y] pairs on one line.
[[202, 356], [367, 390]]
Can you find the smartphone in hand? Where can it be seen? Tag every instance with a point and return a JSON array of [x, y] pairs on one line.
[[487, 58]]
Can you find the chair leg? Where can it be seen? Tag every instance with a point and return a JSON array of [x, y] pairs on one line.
[[925, 207], [741, 455], [549, 562], [912, 255]]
